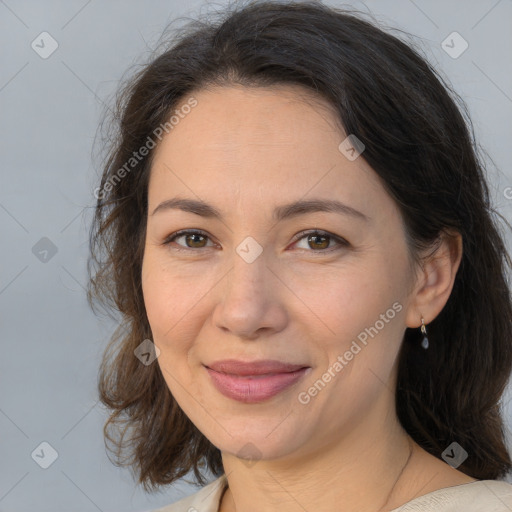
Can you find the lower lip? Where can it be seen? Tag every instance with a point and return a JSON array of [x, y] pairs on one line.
[[254, 388]]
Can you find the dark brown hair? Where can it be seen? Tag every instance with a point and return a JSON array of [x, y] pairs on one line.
[[417, 140]]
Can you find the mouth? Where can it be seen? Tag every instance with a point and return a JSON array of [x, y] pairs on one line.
[[254, 382], [254, 368]]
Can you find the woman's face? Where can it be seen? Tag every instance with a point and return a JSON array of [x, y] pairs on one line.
[[246, 288]]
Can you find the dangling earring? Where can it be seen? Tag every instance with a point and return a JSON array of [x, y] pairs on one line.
[[424, 342]]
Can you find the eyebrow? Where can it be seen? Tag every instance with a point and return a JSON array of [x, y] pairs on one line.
[[283, 212]]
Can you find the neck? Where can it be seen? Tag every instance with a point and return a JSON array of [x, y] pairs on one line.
[[362, 470]]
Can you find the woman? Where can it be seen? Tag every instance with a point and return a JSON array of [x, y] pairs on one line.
[[295, 226]]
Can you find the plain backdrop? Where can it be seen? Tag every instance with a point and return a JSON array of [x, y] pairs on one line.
[[50, 110]]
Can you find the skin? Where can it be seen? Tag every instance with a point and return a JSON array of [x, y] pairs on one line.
[[245, 151]]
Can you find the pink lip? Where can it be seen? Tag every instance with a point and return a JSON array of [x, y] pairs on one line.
[[241, 368], [256, 381]]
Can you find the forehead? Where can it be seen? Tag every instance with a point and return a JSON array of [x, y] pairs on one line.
[[268, 116], [251, 144]]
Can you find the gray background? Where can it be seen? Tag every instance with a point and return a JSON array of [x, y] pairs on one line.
[[50, 109]]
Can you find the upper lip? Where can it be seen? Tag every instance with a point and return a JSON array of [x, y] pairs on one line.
[[236, 367]]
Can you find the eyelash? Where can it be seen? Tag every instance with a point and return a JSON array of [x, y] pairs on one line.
[[341, 242]]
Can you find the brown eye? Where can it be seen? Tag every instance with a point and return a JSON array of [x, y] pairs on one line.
[[192, 239], [195, 240], [317, 241], [320, 241]]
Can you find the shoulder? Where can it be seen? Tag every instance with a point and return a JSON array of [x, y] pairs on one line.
[[488, 495], [206, 499]]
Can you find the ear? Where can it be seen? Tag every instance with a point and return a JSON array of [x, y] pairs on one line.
[[435, 280]]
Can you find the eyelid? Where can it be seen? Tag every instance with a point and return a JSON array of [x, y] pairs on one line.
[[182, 232], [322, 232], [340, 241]]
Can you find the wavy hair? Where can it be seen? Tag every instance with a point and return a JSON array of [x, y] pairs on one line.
[[419, 139]]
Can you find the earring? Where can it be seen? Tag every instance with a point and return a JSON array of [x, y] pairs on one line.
[[424, 342]]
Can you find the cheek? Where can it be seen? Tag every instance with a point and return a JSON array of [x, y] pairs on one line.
[[155, 291], [345, 301], [354, 309], [163, 312], [168, 298], [175, 307], [363, 312]]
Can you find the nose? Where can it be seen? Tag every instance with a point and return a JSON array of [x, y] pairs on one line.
[[250, 301]]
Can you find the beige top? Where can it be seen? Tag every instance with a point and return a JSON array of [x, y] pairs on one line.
[[479, 496]]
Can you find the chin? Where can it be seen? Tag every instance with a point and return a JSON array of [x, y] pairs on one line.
[[258, 441]]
